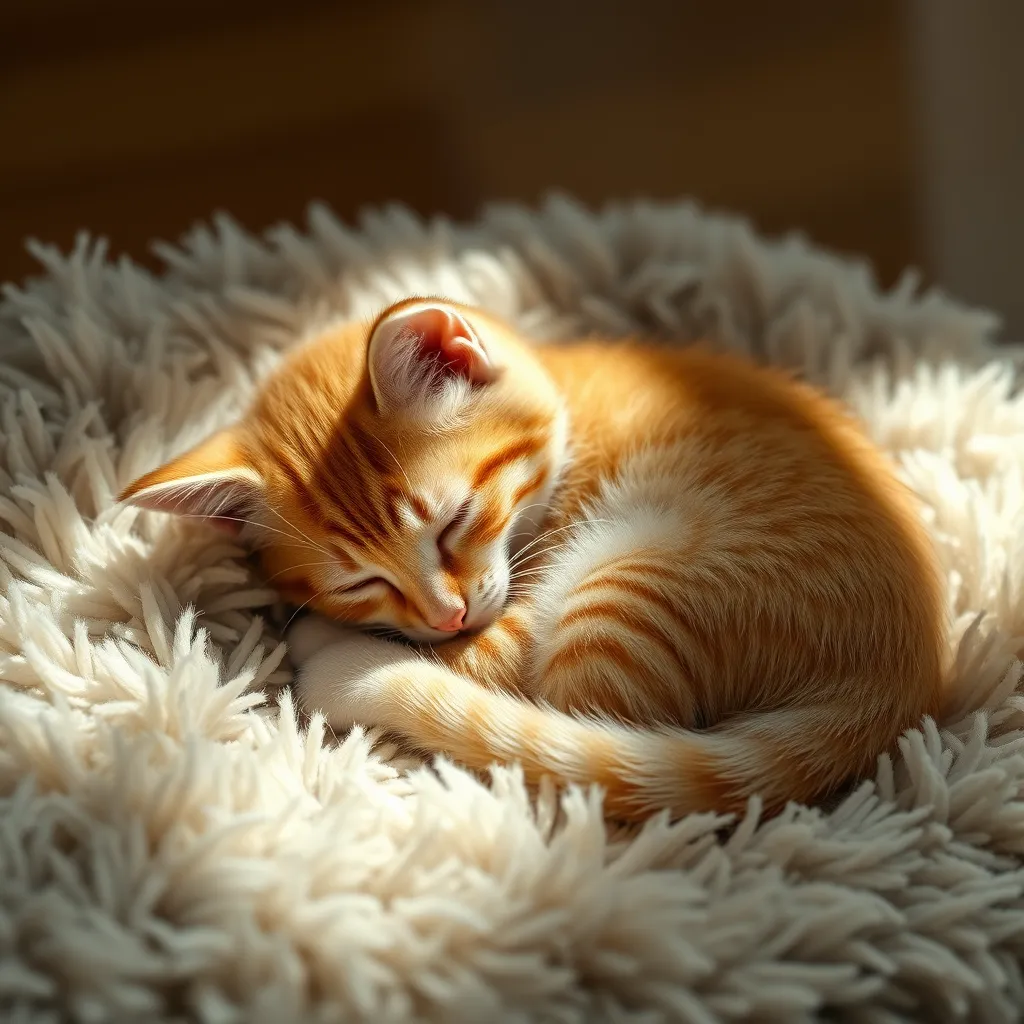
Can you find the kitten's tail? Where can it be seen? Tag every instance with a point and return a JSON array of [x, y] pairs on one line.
[[799, 753]]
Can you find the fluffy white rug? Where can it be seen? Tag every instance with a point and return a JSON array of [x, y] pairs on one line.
[[173, 846]]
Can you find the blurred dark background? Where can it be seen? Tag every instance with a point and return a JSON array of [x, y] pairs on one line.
[[889, 128]]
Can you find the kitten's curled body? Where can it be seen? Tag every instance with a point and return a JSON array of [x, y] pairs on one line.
[[685, 577]]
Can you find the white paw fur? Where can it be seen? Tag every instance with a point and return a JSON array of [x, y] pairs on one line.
[[344, 679]]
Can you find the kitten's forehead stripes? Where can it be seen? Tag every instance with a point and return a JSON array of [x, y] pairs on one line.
[[353, 485], [356, 490], [521, 448], [340, 530], [534, 483], [307, 499], [337, 494], [370, 448], [419, 506], [392, 505], [489, 524], [367, 498]]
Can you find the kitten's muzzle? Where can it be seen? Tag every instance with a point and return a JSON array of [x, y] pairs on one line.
[[451, 623]]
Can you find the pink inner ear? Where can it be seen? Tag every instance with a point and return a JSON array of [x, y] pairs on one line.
[[417, 352], [447, 335], [226, 501]]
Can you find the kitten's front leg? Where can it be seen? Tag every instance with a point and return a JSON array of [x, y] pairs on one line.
[[338, 669], [499, 656]]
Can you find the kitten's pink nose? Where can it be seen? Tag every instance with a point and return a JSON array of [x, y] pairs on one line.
[[453, 622]]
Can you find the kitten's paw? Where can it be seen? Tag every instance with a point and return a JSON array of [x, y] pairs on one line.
[[344, 681], [310, 634]]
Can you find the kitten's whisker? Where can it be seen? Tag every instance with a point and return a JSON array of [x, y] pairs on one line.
[[431, 655], [299, 609], [244, 522], [550, 533], [558, 529], [536, 504], [308, 539], [389, 633], [535, 555], [539, 551], [301, 565], [521, 581], [401, 469], [529, 572]]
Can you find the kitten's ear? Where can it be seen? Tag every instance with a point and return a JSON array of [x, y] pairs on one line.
[[424, 353], [211, 481]]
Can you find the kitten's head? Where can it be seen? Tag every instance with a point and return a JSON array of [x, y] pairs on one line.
[[386, 471]]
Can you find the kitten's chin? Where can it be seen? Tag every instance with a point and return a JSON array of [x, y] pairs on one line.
[[434, 636], [428, 636], [483, 615]]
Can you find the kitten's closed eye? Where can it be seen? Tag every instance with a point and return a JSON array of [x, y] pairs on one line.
[[373, 581], [444, 538]]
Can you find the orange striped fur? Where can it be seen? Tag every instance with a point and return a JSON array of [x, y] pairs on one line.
[[668, 571]]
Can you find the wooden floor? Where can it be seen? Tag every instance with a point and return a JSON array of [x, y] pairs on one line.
[[134, 121]]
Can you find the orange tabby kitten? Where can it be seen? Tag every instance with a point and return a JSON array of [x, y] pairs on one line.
[[665, 570]]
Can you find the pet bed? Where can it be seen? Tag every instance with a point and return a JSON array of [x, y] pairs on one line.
[[175, 844]]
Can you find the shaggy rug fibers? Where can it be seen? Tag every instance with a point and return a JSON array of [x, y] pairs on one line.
[[175, 846]]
